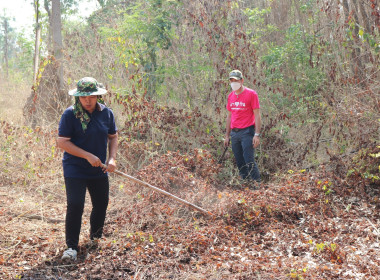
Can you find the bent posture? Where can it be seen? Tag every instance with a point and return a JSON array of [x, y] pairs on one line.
[[85, 131]]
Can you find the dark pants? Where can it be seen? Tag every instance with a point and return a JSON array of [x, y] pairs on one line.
[[98, 189], [244, 152]]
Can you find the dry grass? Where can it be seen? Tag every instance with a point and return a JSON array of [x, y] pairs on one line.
[[12, 99], [272, 233]]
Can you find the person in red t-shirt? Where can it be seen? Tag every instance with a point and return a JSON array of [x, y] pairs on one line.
[[243, 125]]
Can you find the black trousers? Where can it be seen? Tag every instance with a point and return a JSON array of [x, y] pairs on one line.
[[98, 189]]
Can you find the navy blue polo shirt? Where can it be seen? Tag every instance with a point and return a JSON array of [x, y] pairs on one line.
[[94, 140]]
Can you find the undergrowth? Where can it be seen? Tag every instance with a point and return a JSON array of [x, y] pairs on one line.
[[299, 225]]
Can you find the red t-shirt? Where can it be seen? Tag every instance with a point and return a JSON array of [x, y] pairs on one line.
[[241, 107]]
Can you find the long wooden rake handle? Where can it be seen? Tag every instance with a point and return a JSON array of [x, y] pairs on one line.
[[161, 191]]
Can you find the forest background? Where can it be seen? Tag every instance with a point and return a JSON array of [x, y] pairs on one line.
[[315, 66]]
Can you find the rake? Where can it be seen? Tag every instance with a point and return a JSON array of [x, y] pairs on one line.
[[205, 212]]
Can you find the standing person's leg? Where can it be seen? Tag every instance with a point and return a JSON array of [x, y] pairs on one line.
[[75, 193], [99, 192], [249, 154], [237, 149]]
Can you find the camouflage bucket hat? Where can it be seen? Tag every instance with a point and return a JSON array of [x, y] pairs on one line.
[[88, 86], [236, 74]]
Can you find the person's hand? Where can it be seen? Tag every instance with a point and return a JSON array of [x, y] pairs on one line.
[[94, 160], [256, 141], [226, 141], [111, 165]]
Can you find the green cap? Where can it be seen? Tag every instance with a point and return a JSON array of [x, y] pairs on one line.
[[236, 74], [88, 86]]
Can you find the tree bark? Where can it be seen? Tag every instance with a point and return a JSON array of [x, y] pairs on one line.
[[56, 27], [356, 64], [37, 44], [49, 39], [365, 19], [6, 46], [359, 71]]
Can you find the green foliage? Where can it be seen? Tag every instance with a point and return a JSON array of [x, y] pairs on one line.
[[145, 30], [23, 59], [258, 28], [68, 7], [18, 48], [366, 164], [356, 34], [308, 6], [294, 54], [293, 64]]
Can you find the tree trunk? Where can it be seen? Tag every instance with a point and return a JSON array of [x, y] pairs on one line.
[[366, 20], [49, 39], [37, 53], [37, 44], [6, 47], [346, 8], [356, 64], [56, 28], [357, 51]]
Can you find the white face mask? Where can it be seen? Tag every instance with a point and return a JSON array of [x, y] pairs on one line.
[[235, 86]]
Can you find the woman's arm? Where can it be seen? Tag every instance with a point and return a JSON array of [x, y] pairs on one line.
[[65, 144], [112, 148]]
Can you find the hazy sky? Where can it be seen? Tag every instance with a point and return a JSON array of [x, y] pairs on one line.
[[23, 12], [20, 10]]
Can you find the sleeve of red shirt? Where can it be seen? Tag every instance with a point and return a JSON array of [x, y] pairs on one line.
[[228, 103], [255, 100]]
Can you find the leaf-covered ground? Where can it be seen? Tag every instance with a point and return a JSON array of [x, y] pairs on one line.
[[302, 225]]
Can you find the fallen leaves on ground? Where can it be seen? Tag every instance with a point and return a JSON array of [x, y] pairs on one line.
[[302, 225]]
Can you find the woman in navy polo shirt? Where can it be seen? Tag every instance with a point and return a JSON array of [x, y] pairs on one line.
[[85, 130]]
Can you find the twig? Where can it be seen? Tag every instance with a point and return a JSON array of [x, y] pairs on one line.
[[65, 265], [14, 246], [377, 231], [39, 217]]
